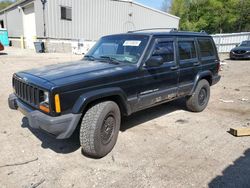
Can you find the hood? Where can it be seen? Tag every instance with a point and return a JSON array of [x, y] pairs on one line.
[[246, 48], [63, 73]]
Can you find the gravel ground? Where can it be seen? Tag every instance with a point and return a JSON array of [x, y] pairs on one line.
[[165, 146]]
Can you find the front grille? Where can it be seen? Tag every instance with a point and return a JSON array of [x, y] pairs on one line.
[[26, 92], [239, 51]]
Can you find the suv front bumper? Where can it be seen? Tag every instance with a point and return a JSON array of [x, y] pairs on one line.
[[62, 126]]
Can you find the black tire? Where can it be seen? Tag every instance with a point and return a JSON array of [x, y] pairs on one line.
[[99, 129], [199, 100]]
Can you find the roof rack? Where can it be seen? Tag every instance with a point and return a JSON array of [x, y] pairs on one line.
[[203, 31], [151, 29]]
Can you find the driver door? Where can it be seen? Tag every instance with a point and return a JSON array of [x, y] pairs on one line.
[[160, 83]]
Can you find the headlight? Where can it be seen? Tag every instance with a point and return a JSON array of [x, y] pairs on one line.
[[44, 104], [46, 97]]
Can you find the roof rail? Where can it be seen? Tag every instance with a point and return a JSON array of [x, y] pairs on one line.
[[203, 31], [151, 29]]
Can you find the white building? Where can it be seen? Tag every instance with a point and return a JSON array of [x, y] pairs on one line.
[[58, 22]]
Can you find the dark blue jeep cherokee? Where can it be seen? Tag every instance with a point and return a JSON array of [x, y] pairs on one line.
[[120, 75]]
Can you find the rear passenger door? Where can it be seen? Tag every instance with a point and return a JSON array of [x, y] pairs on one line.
[[189, 64]]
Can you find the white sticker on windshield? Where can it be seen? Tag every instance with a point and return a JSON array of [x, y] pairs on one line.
[[132, 43]]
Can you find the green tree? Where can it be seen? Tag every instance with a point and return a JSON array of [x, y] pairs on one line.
[[214, 16]]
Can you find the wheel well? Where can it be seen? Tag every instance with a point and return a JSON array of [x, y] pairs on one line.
[[115, 98], [208, 78]]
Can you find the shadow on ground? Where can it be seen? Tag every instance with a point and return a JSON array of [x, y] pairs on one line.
[[236, 175], [2, 53], [50, 142], [152, 113], [72, 144]]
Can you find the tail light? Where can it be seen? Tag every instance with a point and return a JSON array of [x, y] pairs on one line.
[[218, 66]]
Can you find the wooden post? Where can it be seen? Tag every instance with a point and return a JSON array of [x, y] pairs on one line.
[[240, 131], [22, 42]]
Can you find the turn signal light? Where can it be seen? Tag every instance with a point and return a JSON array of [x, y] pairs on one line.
[[44, 108], [57, 104]]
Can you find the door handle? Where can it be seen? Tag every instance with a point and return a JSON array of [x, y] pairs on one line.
[[174, 67], [197, 64]]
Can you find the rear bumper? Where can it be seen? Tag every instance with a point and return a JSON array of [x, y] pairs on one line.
[[62, 126], [216, 79]]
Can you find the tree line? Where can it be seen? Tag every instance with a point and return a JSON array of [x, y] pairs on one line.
[[213, 16]]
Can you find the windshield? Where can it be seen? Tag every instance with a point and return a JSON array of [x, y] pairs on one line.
[[245, 43], [120, 48]]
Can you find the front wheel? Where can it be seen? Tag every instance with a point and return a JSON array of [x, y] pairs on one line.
[[199, 100], [99, 129]]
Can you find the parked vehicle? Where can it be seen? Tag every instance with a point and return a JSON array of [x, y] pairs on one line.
[[241, 51], [120, 75], [1, 47]]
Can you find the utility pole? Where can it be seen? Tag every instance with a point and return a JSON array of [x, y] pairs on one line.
[[44, 22]]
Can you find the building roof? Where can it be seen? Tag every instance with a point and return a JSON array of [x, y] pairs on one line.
[[128, 1]]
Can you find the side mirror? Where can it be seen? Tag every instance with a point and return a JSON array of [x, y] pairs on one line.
[[154, 61], [237, 45]]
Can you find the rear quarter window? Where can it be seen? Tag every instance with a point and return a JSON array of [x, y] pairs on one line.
[[206, 48]]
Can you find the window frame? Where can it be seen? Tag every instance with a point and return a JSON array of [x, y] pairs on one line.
[[190, 39], [213, 46], [66, 7], [161, 40]]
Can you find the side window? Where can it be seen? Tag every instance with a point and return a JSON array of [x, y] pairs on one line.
[[66, 13], [186, 50], [166, 50], [206, 47]]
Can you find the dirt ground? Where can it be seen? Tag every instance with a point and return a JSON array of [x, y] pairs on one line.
[[165, 146]]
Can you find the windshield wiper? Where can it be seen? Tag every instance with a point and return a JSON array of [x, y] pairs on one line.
[[111, 59], [90, 57]]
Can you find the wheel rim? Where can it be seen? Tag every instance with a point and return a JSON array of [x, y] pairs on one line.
[[108, 128], [202, 96]]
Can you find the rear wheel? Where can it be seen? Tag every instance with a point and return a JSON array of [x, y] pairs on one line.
[[99, 129], [199, 100]]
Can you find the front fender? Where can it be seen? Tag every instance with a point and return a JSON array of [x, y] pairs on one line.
[[92, 96], [200, 76]]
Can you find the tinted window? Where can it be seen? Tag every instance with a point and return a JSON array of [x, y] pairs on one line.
[[245, 43], [166, 50], [187, 50], [206, 47], [66, 13]]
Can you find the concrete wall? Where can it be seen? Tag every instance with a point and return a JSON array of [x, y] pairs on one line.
[[61, 46]]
